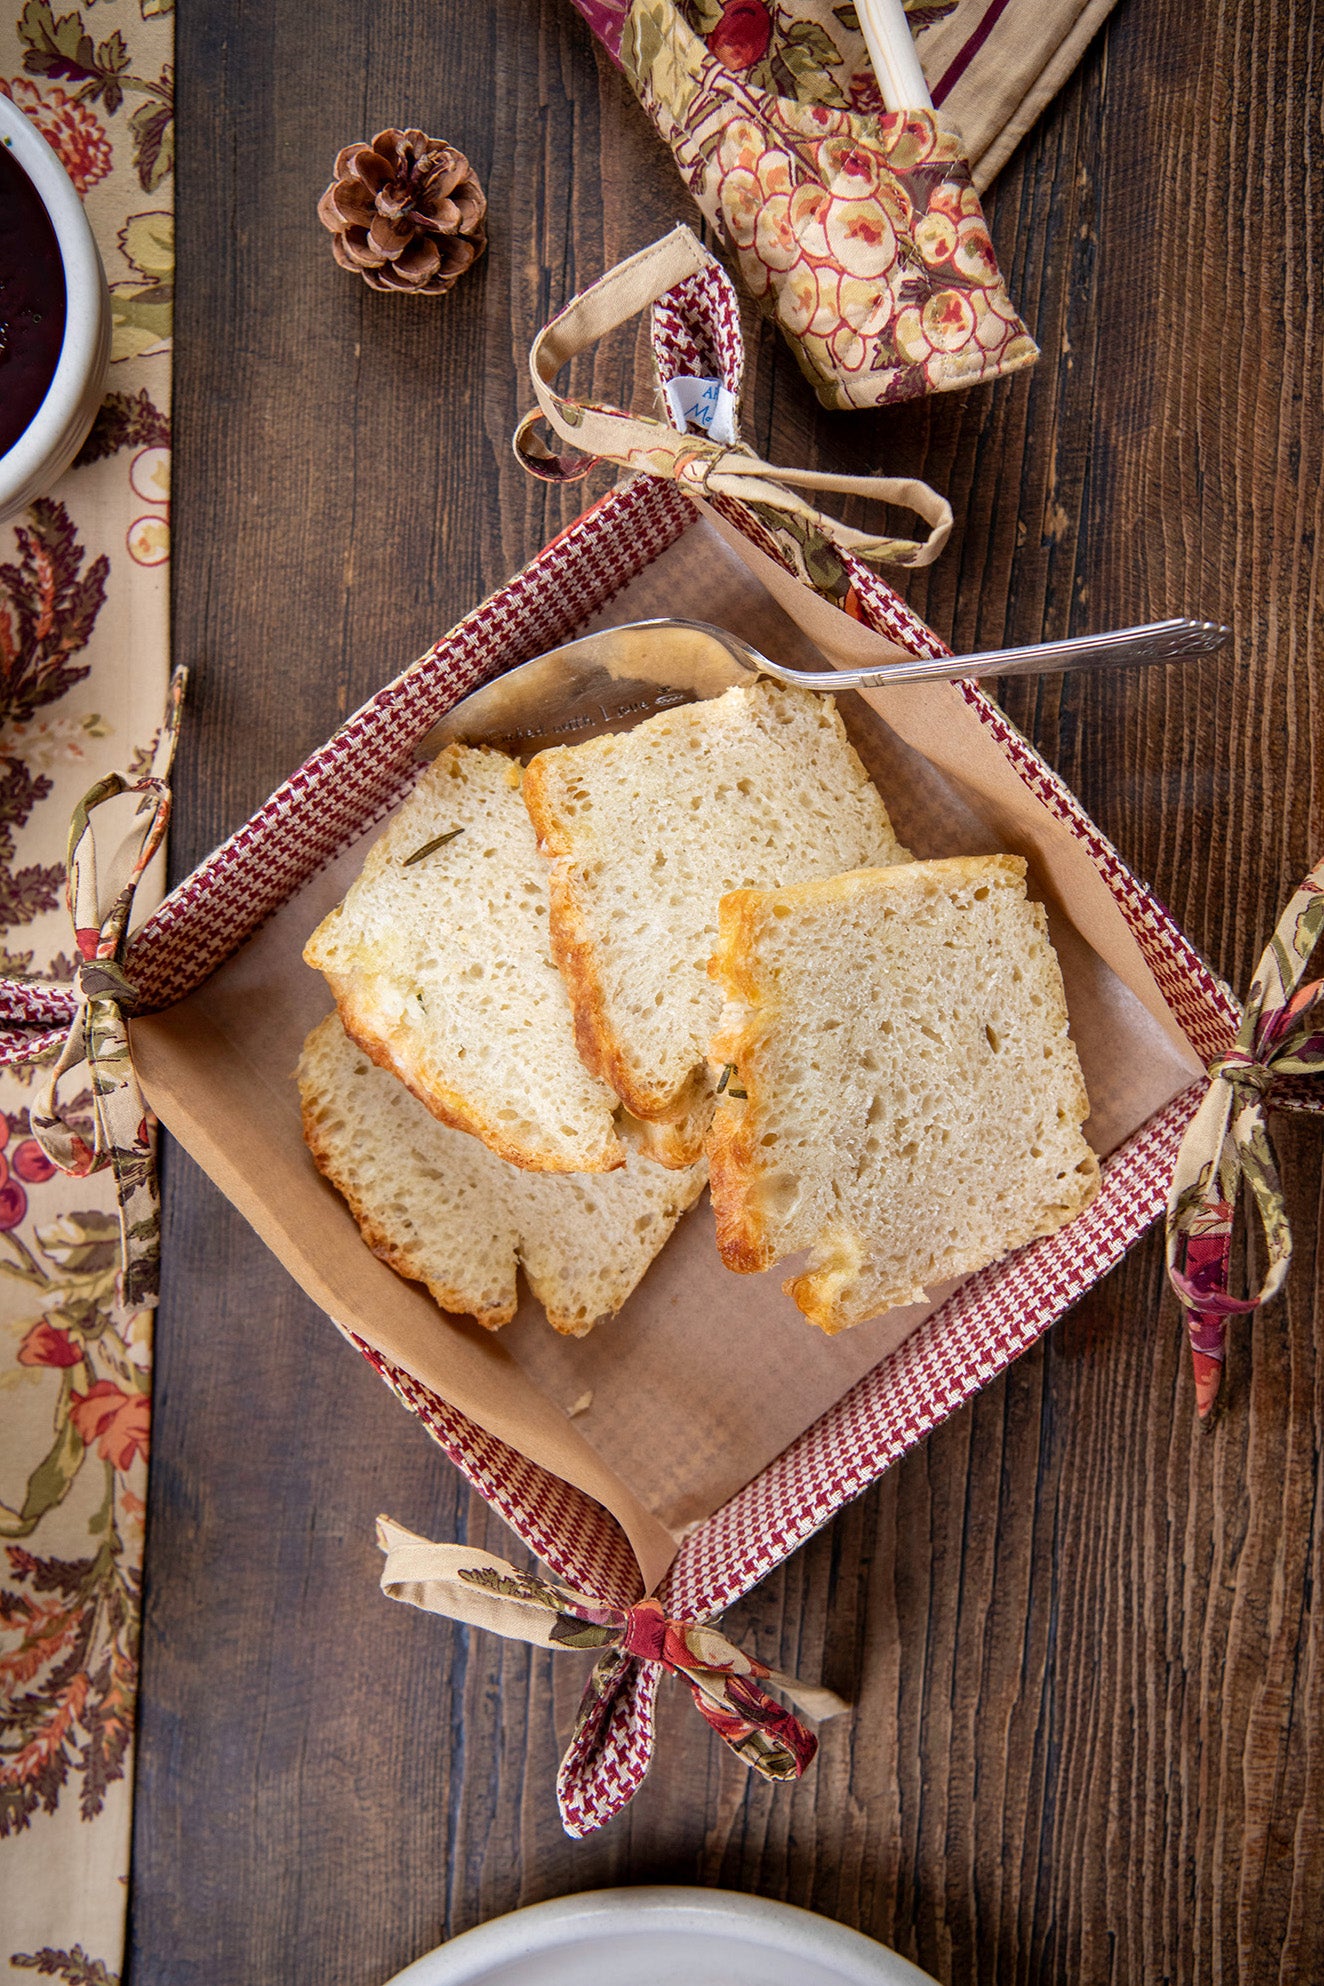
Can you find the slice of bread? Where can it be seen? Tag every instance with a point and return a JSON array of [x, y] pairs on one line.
[[905, 1101], [648, 829], [441, 968], [676, 1145], [439, 1207]]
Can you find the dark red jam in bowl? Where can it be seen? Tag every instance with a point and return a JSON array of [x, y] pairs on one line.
[[31, 300]]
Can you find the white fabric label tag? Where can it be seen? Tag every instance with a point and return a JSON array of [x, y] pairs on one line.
[[707, 403]]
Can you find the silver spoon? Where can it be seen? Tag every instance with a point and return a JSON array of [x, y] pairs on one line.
[[611, 680]]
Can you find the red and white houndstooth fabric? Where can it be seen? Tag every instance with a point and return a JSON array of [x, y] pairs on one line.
[[359, 775]]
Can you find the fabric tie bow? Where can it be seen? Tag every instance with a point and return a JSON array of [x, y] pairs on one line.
[[100, 899], [723, 469], [472, 1586], [1281, 1034]]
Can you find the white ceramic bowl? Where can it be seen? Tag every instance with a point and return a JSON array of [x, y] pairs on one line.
[[59, 427], [662, 1937]]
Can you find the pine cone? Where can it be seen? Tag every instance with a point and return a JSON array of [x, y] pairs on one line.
[[406, 212]]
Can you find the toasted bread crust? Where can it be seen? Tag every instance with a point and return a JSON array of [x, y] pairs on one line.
[[737, 1166], [452, 1107], [733, 1168], [436, 1206], [369, 952], [601, 1049], [742, 1239], [674, 1146], [458, 1301], [820, 1292]]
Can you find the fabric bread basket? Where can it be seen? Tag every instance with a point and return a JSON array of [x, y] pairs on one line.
[[652, 1512]]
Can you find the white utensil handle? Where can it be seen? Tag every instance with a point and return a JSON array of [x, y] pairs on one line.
[[891, 49]]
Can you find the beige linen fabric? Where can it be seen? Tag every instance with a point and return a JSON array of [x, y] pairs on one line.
[[994, 68]]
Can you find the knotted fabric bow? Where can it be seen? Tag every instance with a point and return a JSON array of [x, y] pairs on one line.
[[1281, 1034], [703, 466], [469, 1585], [100, 896]]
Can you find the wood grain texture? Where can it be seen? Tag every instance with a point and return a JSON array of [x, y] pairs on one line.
[[1086, 1644]]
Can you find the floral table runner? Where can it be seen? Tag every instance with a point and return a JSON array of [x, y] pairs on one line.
[[84, 655]]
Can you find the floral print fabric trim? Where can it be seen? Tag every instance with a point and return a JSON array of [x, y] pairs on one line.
[[862, 234], [98, 1040], [726, 1684], [992, 66], [84, 658], [678, 274], [1281, 1034]]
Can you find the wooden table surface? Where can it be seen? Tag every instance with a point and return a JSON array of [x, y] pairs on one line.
[[1086, 1642]]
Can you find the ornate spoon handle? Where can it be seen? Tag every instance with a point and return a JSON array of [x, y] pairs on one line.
[[1160, 641]]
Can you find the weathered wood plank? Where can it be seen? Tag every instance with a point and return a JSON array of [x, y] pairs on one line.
[[1085, 1643]]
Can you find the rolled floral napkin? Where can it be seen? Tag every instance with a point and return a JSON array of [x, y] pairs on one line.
[[992, 66], [861, 233]]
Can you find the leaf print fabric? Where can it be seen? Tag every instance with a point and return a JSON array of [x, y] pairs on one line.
[[101, 73], [1281, 1034], [725, 1683], [70, 128], [84, 658]]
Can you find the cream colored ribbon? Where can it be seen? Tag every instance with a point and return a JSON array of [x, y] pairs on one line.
[[100, 894], [700, 466], [1227, 1141], [468, 1585]]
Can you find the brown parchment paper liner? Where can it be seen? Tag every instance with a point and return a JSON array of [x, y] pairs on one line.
[[657, 1415]]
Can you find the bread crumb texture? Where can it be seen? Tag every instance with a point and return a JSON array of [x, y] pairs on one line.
[[436, 1205], [647, 830], [442, 971], [913, 1100]]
